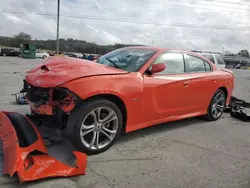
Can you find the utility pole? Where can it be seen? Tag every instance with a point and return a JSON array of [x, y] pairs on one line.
[[152, 42], [57, 33]]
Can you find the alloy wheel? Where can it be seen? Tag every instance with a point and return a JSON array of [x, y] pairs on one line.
[[99, 128], [218, 105]]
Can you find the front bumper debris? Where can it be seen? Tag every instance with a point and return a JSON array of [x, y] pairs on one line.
[[25, 152], [21, 97], [239, 109]]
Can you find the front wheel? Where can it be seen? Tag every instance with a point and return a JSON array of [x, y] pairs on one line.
[[95, 126], [217, 106]]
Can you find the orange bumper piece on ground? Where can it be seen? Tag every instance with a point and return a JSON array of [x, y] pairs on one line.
[[27, 156]]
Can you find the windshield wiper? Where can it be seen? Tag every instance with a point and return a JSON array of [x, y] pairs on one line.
[[116, 66]]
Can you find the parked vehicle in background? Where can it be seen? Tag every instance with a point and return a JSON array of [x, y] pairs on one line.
[[90, 57], [125, 90], [51, 53], [9, 52], [215, 57], [238, 66], [74, 54], [42, 54]]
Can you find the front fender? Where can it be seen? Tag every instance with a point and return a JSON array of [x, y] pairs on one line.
[[128, 87]]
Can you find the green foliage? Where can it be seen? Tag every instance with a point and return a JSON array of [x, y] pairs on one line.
[[244, 53], [22, 36], [69, 44]]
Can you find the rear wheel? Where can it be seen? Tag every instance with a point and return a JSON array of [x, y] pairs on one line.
[[95, 126], [217, 106], [44, 56]]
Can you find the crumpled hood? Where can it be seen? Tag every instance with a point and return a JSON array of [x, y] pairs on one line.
[[58, 70]]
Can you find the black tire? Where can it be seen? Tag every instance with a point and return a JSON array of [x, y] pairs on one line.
[[210, 116], [44, 56], [75, 120]]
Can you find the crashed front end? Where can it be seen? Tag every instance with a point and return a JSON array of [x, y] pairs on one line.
[[45, 94], [58, 102]]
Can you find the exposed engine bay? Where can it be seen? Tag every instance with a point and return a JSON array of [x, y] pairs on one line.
[[58, 103]]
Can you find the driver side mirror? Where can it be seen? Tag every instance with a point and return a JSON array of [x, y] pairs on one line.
[[156, 68]]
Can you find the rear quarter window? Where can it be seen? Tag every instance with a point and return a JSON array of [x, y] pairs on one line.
[[209, 57], [207, 66], [220, 60], [194, 64]]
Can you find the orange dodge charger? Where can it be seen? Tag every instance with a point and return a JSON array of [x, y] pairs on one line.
[[125, 90]]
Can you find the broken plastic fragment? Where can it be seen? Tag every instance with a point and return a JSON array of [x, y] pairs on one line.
[[26, 155], [44, 166]]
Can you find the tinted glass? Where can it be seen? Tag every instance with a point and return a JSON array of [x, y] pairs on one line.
[[174, 63], [129, 59], [219, 60], [195, 64], [207, 66], [210, 57]]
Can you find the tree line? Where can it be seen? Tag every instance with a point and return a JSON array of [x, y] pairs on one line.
[[242, 53], [69, 44], [73, 45]]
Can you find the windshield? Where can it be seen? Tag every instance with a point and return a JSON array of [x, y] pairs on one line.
[[128, 59]]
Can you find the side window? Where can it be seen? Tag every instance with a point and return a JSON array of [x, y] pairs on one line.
[[207, 66], [195, 64], [174, 63], [219, 60], [210, 57]]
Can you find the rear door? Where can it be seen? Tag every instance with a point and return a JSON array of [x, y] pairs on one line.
[[203, 81]]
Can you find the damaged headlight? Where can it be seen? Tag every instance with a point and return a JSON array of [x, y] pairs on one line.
[[65, 99]]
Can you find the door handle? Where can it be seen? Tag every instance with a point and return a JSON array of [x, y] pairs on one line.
[[214, 79], [186, 83]]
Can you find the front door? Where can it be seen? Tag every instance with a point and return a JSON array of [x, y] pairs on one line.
[[166, 94]]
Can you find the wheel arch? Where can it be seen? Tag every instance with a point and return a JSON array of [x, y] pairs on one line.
[[116, 100], [224, 89]]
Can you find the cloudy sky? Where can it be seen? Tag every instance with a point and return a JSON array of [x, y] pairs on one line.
[[188, 24]]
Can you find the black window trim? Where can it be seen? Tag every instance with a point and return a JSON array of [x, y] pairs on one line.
[[167, 52], [211, 68], [208, 65]]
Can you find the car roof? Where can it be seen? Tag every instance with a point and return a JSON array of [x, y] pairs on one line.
[[7, 48], [206, 52], [216, 54], [159, 50]]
